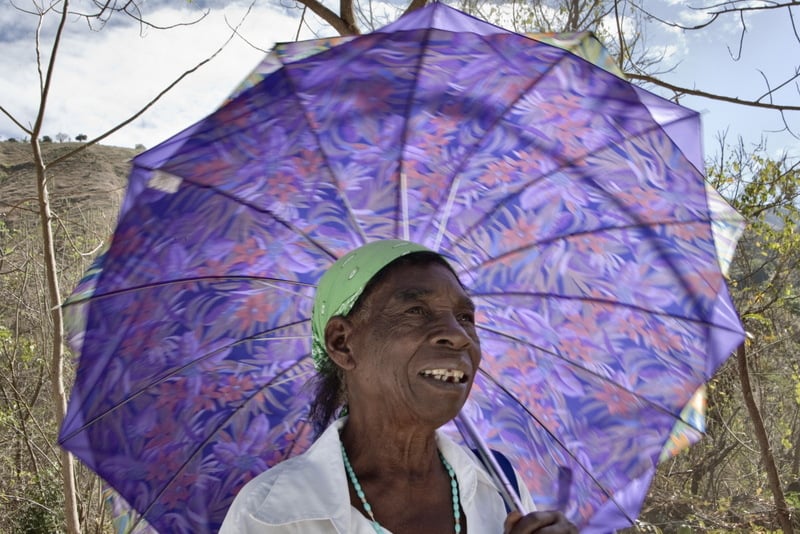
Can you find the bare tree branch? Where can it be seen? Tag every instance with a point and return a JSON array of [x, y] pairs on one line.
[[347, 14], [167, 89], [302, 21], [15, 121], [715, 15], [132, 11], [713, 96], [337, 22], [738, 55], [415, 4], [235, 29]]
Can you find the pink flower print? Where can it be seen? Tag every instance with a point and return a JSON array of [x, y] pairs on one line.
[[257, 309], [517, 235], [308, 163], [282, 187], [248, 252], [587, 243], [662, 340], [301, 437], [615, 398], [171, 394], [175, 496], [633, 327], [162, 463], [499, 172], [234, 389], [245, 449], [214, 171], [206, 400], [548, 417], [369, 98]]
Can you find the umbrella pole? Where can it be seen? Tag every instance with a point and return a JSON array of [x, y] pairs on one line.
[[470, 433]]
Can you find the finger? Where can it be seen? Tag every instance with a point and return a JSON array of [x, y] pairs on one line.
[[510, 521], [531, 522]]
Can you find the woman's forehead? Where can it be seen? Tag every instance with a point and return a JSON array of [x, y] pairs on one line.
[[408, 283]]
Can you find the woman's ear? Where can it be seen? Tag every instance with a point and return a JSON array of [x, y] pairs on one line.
[[337, 342]]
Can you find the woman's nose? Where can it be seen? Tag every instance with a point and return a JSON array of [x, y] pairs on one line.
[[450, 332]]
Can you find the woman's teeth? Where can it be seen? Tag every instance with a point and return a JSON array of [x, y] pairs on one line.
[[445, 375]]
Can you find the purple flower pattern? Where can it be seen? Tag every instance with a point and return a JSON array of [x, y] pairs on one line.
[[580, 225]]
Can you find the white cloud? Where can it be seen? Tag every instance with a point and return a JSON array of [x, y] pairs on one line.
[[103, 77]]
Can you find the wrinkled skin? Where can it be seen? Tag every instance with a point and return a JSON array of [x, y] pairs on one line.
[[416, 320]]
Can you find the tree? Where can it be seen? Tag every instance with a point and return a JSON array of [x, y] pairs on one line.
[[62, 12], [622, 25], [767, 194], [80, 138], [61, 137], [752, 425]]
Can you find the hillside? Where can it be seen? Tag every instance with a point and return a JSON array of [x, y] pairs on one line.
[[92, 181], [85, 193]]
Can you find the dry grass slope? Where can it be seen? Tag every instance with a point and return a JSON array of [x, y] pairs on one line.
[[85, 193], [91, 181]]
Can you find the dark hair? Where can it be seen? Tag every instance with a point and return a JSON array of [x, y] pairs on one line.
[[330, 394]]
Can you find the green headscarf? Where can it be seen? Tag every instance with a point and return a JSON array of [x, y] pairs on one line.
[[342, 284]]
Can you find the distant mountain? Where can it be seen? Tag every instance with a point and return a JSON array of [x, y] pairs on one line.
[[86, 188]]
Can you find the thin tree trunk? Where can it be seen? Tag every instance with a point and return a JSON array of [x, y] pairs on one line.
[[51, 272], [763, 442], [57, 319], [796, 439]]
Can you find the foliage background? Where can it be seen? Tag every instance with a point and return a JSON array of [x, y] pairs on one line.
[[719, 485]]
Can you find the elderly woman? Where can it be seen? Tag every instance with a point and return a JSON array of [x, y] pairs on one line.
[[395, 342]]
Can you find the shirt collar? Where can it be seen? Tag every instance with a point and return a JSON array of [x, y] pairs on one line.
[[316, 479], [318, 476]]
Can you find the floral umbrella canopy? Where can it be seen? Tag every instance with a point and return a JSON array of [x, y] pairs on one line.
[[569, 201]]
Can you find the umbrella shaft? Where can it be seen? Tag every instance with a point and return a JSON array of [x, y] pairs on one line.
[[510, 496]]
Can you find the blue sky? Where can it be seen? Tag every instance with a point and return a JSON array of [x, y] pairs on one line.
[[102, 77]]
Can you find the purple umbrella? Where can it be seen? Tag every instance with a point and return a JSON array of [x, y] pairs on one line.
[[566, 198]]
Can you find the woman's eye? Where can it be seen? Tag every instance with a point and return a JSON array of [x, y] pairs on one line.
[[467, 318], [416, 310]]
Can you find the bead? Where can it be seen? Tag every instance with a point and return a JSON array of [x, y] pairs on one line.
[[368, 509]]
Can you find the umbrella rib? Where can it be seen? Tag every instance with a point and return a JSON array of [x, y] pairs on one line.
[[402, 191], [456, 178], [691, 115], [202, 444], [350, 212], [301, 426], [246, 203], [563, 237], [607, 302], [622, 207], [140, 302], [116, 292], [563, 163], [177, 370], [643, 226], [558, 441], [595, 374]]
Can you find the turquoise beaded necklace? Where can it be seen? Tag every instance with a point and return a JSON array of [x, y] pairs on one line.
[[367, 508]]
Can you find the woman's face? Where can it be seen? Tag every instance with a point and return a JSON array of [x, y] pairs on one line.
[[415, 347]]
